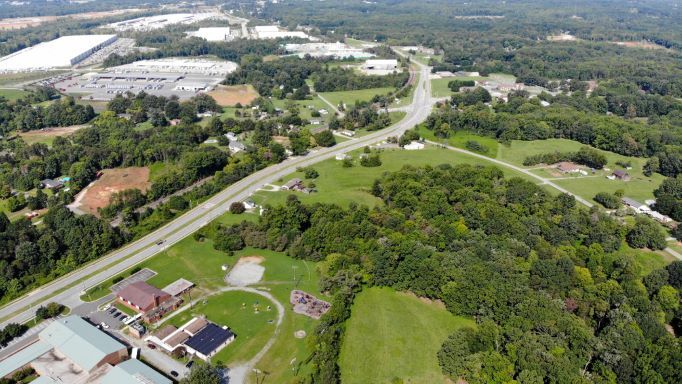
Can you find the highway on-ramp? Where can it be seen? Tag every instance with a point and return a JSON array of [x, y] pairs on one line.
[[70, 287]]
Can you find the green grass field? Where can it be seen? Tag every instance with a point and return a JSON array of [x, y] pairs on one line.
[[12, 94], [393, 335], [253, 329], [640, 187], [350, 97], [439, 87], [647, 260], [340, 185]]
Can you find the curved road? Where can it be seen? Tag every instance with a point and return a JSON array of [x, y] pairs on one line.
[[23, 309]]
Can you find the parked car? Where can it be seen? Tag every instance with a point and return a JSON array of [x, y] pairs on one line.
[[174, 374], [151, 346], [112, 309], [125, 318], [104, 325], [189, 364]]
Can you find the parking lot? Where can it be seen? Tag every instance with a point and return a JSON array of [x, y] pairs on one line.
[[112, 317], [141, 275]]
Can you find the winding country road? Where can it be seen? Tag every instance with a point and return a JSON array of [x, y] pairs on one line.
[[67, 289]]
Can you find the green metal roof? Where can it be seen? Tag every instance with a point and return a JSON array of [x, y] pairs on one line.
[[134, 372], [80, 341], [23, 357]]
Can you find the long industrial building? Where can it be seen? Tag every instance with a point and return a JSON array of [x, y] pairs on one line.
[[63, 52]]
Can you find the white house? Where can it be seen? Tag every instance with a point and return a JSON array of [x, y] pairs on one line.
[[414, 146], [236, 146]]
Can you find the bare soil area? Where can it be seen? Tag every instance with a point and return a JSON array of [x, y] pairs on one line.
[[228, 96], [98, 193]]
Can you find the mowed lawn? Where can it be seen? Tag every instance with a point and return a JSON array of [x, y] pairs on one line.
[[350, 97], [236, 310], [439, 87], [393, 335], [340, 185], [12, 94]]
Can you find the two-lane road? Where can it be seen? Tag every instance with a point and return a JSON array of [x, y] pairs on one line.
[[23, 309]]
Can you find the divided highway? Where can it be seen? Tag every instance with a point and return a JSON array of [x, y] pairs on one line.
[[70, 286]]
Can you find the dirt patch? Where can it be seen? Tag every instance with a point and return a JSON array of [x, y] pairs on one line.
[[299, 334], [247, 271], [98, 193], [228, 96], [426, 300], [281, 140], [562, 37], [37, 135], [639, 44]]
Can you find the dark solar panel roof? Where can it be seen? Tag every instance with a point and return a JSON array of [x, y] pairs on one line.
[[209, 339]]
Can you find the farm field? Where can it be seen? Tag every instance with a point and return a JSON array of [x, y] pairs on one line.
[[229, 96], [350, 97], [98, 193], [12, 94], [47, 135], [342, 186], [399, 336]]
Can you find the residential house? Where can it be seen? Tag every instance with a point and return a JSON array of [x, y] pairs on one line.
[[52, 184], [293, 184], [236, 146], [567, 167], [621, 175]]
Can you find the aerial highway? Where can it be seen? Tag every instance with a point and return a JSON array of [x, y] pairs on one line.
[[71, 286]]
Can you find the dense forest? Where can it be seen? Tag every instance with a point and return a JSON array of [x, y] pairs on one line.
[[553, 299]]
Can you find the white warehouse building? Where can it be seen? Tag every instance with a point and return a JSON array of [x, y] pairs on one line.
[[212, 33], [385, 65], [65, 51]]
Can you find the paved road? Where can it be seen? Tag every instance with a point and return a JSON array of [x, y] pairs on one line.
[[185, 225]]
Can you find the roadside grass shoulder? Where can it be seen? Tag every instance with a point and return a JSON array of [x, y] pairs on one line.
[[460, 139], [350, 97], [398, 335]]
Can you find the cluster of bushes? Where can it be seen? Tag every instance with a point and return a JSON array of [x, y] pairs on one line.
[[11, 331], [51, 310], [608, 200], [585, 156], [455, 85]]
